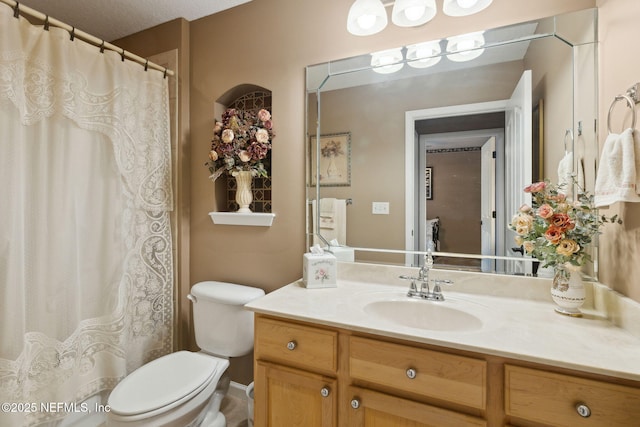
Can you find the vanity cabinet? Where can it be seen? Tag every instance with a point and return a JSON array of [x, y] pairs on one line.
[[292, 397], [302, 377], [308, 375], [370, 408], [295, 374], [418, 371], [547, 398]]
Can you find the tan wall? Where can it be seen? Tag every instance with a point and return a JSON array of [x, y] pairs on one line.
[[457, 191], [619, 69]]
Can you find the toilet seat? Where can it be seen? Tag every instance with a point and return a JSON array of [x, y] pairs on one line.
[[164, 384]]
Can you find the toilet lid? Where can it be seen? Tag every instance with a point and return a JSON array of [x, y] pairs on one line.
[[169, 379]]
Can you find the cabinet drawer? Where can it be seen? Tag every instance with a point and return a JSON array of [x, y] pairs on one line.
[[553, 399], [296, 345], [449, 377], [378, 409]]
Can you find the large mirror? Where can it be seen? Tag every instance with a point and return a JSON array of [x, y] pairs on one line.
[[428, 147]]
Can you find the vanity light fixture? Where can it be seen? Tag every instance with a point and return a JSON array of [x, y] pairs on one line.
[[464, 7], [367, 17], [465, 47], [424, 55], [412, 13], [387, 61]]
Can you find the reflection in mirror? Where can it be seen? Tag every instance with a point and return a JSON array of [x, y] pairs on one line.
[[440, 148]]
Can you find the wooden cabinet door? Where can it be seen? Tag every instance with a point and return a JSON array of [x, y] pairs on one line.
[[372, 409], [291, 397]]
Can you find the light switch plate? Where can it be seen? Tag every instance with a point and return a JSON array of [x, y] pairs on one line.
[[380, 208]]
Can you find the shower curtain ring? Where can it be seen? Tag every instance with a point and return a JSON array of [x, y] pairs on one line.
[[46, 23], [73, 33], [146, 65], [122, 55], [165, 73], [102, 47], [16, 10]]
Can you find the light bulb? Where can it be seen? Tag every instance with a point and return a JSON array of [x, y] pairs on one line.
[[465, 45], [366, 21], [414, 13], [466, 4]]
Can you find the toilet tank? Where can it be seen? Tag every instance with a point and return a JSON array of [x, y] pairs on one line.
[[222, 326]]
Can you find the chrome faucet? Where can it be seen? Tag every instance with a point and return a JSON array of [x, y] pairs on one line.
[[423, 278]]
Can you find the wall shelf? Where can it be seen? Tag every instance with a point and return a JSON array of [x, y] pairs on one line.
[[247, 219]]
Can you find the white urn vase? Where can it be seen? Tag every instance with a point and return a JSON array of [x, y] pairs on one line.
[[567, 291], [244, 196]]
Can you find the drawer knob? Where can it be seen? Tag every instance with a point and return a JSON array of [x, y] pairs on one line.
[[583, 410], [355, 403], [291, 345], [411, 373], [324, 392]]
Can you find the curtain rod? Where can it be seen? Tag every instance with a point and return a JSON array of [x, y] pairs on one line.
[[18, 8]]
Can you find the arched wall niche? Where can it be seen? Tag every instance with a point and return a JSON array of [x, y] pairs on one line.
[[244, 97]]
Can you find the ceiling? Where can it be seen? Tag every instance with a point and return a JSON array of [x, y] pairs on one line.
[[112, 19]]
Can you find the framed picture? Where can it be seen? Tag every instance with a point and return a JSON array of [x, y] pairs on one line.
[[428, 181], [334, 167]]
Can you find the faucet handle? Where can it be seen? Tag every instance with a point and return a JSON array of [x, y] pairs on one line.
[[443, 282], [437, 291]]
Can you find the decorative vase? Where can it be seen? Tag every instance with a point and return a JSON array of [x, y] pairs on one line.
[[244, 196], [567, 291], [332, 169]]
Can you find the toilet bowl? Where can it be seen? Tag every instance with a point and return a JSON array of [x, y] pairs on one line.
[[186, 388]]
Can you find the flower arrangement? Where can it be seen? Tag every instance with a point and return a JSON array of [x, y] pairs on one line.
[[332, 149], [241, 142], [555, 230]]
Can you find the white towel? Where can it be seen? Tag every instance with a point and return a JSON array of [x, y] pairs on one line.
[[567, 176], [565, 172], [618, 177], [328, 213], [337, 228]]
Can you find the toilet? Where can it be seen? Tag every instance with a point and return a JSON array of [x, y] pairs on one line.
[[186, 388]]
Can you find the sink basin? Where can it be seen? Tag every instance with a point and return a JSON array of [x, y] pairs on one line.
[[433, 316]]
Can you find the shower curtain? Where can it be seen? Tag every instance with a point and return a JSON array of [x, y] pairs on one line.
[[85, 243]]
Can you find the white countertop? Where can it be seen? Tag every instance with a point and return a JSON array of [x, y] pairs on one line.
[[514, 327]]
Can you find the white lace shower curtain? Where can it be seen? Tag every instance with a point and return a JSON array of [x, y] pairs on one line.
[[85, 243]]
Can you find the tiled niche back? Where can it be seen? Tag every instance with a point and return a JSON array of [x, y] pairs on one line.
[[261, 187]]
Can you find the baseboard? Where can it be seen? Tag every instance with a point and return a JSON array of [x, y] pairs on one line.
[[237, 390]]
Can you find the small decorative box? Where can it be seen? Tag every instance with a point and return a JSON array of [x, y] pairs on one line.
[[319, 269]]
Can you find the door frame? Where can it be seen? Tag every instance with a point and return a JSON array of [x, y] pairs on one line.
[[411, 160]]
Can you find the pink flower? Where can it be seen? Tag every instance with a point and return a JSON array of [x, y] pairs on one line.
[[525, 208], [264, 115], [562, 221], [545, 211], [535, 187]]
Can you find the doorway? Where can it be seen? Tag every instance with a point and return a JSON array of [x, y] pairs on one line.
[[457, 199]]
